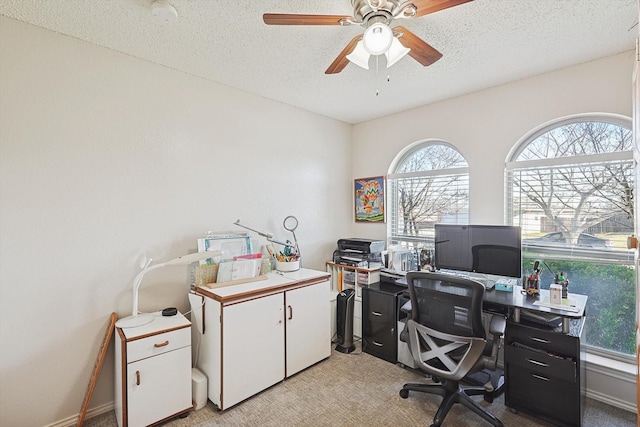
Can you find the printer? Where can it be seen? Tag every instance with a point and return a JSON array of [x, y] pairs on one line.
[[357, 252], [364, 246]]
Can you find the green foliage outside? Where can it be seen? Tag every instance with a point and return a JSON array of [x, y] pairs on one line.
[[611, 304]]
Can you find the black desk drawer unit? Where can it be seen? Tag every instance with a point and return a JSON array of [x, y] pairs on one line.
[[379, 311], [542, 372]]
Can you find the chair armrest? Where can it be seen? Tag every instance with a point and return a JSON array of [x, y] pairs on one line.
[[406, 307], [498, 325]]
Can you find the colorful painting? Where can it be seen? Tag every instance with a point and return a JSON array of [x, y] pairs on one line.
[[369, 194]]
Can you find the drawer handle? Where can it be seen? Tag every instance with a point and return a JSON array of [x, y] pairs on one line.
[[541, 340], [376, 313], [539, 377], [376, 343], [162, 344], [137, 377], [535, 362]]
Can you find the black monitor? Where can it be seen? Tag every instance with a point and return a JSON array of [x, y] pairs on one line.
[[487, 249]]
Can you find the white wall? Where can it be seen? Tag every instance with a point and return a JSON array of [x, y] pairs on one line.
[[485, 125], [103, 158]]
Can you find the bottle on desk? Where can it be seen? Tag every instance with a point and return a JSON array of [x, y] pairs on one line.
[[562, 280]]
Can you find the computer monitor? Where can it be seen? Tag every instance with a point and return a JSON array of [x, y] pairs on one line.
[[487, 249]]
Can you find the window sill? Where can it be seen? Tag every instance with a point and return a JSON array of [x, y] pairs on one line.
[[610, 365]]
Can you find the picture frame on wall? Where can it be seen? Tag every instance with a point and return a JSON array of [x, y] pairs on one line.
[[369, 199]]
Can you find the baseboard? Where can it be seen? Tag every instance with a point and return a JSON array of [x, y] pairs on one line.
[[609, 400], [611, 381], [91, 412]]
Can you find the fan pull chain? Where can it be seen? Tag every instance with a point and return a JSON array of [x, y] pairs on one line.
[[377, 74], [377, 79]]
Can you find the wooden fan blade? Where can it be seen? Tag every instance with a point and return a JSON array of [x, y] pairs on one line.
[[291, 19], [341, 61], [420, 50], [425, 7]]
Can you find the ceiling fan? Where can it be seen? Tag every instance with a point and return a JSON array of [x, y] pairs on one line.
[[378, 38]]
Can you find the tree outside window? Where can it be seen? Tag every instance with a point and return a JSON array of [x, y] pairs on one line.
[[571, 189], [430, 184]]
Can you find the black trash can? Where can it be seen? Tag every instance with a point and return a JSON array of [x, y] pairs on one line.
[[344, 321]]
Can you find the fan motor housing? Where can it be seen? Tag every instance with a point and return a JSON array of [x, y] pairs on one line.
[[364, 10]]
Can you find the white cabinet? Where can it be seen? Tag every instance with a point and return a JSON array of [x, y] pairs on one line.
[[153, 371], [258, 333]]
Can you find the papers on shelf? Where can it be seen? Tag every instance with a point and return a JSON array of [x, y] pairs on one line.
[[567, 305], [239, 269], [230, 244]]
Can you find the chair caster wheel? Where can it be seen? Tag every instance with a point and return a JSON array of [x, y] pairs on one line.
[[404, 393], [488, 398]]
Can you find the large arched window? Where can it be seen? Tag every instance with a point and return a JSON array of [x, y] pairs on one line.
[[428, 183], [570, 186]]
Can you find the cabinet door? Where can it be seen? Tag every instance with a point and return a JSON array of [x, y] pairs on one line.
[[253, 347], [159, 387], [308, 330]]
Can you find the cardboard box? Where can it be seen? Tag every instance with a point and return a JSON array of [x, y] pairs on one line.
[[555, 291]]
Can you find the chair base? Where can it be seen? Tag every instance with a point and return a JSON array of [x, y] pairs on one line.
[[491, 380], [452, 392]]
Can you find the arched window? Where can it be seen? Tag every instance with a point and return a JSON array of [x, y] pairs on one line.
[[570, 187], [428, 183]]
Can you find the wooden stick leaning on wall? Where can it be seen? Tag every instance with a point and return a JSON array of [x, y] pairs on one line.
[[97, 367]]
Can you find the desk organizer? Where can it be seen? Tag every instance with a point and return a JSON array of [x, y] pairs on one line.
[[288, 266]]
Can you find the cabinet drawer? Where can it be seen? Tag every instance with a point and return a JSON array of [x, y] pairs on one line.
[[541, 363], [549, 397], [555, 342], [382, 345], [378, 306], [158, 344]]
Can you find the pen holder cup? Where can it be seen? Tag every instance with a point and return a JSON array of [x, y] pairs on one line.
[[288, 266]]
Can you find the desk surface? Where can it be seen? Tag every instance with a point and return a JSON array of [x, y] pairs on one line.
[[518, 299]]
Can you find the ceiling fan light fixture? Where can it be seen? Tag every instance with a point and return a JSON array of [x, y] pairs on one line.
[[359, 56], [377, 38], [396, 52]]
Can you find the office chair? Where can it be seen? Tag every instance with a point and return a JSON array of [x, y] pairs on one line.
[[447, 339]]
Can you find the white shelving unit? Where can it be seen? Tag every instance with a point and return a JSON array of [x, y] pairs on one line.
[[347, 277]]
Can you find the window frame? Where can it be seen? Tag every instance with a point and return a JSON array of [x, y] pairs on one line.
[[571, 253], [393, 176]]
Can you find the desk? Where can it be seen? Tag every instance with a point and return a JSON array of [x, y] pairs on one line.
[[516, 300], [543, 375], [512, 303]]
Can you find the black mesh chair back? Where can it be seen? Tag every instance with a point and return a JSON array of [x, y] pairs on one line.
[[446, 303]]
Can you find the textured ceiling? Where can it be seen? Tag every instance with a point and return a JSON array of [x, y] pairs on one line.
[[484, 43]]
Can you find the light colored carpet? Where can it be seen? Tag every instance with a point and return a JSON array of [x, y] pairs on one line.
[[358, 389]]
